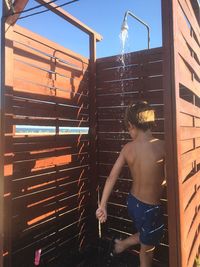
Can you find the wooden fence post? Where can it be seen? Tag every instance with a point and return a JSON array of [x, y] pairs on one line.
[[93, 137], [2, 75]]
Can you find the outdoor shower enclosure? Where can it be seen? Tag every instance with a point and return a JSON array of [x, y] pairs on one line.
[[50, 183]]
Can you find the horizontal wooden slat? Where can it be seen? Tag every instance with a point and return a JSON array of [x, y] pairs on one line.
[[118, 112], [43, 121], [186, 32], [193, 251], [187, 171], [190, 187], [108, 157], [193, 233], [186, 77], [124, 135], [64, 175], [57, 207], [42, 242], [188, 59], [132, 71], [151, 55], [189, 108], [118, 210], [35, 74], [191, 18], [114, 125], [190, 156], [115, 145], [48, 153], [120, 86], [186, 145], [69, 139], [24, 52], [27, 108], [62, 220], [54, 192], [188, 133], [46, 92], [34, 164], [128, 98], [33, 150], [120, 224], [112, 74], [119, 197], [45, 45]]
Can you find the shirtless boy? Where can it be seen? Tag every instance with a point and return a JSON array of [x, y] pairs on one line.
[[145, 159]]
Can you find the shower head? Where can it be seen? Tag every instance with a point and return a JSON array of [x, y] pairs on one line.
[[124, 25]]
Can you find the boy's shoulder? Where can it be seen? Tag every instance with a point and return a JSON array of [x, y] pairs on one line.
[[127, 149], [128, 146]]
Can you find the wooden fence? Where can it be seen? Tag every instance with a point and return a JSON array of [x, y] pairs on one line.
[[118, 86], [184, 73], [181, 42], [48, 193], [46, 174]]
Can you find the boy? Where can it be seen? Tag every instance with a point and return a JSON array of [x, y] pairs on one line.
[[145, 159]]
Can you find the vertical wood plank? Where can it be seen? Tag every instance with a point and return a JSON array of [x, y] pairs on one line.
[[170, 115], [2, 72], [8, 172], [93, 137], [7, 83], [19, 5]]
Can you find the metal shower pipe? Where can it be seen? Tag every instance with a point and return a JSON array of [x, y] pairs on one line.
[[125, 25]]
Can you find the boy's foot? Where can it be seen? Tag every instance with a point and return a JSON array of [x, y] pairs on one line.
[[119, 246], [114, 248]]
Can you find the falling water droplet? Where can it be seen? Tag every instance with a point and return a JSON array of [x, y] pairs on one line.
[[123, 38]]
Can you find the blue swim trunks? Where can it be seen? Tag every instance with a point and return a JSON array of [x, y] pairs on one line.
[[148, 220]]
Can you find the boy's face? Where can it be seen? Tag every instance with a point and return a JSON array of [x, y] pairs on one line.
[[133, 131]]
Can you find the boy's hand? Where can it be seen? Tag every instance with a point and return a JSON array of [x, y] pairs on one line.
[[101, 214]]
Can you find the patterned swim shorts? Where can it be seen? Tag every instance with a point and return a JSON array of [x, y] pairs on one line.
[[148, 220]]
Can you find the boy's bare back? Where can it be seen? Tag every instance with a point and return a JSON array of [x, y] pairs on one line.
[[146, 163]]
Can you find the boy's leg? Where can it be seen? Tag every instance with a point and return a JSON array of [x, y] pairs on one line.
[[146, 255], [121, 245]]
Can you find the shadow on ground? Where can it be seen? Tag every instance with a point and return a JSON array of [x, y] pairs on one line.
[[98, 257]]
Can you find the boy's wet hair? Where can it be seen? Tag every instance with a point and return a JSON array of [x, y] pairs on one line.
[[141, 115]]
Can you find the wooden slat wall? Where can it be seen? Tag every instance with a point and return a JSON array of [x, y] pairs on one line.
[[181, 35], [141, 79], [188, 61], [49, 186]]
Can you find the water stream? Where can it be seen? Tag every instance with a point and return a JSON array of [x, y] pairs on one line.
[[123, 39], [123, 59]]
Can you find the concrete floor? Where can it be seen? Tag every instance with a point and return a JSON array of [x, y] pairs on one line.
[[99, 257]]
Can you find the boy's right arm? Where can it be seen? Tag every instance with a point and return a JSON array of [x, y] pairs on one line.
[[101, 212]]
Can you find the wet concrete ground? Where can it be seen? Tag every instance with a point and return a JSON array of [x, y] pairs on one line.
[[99, 257]]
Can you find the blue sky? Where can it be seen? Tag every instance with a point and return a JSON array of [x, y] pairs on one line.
[[105, 17]]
